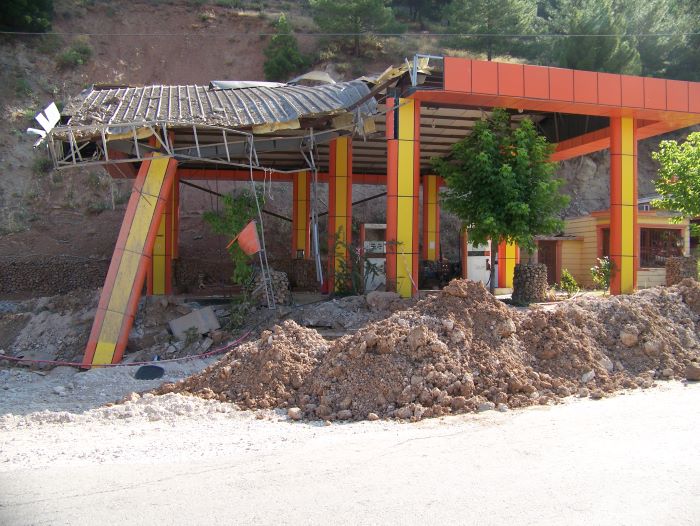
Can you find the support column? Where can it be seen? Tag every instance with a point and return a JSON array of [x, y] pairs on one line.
[[301, 239], [339, 206], [175, 245], [431, 218], [159, 276], [403, 173], [508, 256], [624, 250], [464, 251]]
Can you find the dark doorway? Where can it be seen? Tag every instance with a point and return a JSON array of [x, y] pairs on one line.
[[547, 254]]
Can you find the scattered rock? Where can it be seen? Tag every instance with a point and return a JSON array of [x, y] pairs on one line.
[[607, 364], [629, 336], [345, 414], [294, 413], [587, 377], [692, 372], [502, 408], [583, 392], [486, 406], [372, 417]]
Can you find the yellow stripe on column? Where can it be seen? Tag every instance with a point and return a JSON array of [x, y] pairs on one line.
[[134, 250], [511, 257]]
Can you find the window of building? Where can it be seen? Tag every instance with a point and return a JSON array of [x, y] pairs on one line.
[[657, 244]]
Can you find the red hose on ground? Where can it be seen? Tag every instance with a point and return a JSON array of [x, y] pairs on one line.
[[220, 350]]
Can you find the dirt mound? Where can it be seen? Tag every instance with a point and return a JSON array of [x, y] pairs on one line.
[[261, 374], [462, 350]]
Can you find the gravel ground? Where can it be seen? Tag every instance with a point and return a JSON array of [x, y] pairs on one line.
[[629, 459], [24, 391]]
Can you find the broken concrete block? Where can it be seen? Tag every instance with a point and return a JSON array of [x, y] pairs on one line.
[[202, 320]]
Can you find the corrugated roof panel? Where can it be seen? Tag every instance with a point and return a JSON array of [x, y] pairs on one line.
[[235, 108]]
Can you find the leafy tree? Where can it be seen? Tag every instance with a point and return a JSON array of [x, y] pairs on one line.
[[353, 17], [679, 177], [608, 50], [282, 55], [501, 184], [492, 20], [26, 15], [229, 221]]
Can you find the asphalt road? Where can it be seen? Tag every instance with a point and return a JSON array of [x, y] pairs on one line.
[[632, 459]]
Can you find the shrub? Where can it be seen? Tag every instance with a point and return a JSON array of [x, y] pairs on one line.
[[602, 273], [77, 55], [568, 283]]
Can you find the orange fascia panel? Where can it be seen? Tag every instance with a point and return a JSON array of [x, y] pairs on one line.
[[609, 89], [655, 93], [511, 80], [677, 95], [561, 84], [458, 74], [694, 97], [586, 87], [536, 82], [632, 91], [485, 77]]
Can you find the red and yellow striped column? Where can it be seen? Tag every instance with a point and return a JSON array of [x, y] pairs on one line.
[[431, 218], [130, 262], [624, 250], [508, 257], [301, 238], [403, 174], [339, 206]]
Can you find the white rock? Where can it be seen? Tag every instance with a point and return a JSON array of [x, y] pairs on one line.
[[502, 407], [587, 377], [607, 364], [448, 323], [486, 406], [59, 390]]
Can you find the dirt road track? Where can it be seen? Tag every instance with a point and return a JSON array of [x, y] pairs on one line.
[[632, 459]]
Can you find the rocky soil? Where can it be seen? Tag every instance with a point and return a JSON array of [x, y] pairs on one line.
[[462, 350]]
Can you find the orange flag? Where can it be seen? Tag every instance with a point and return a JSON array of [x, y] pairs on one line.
[[247, 239]]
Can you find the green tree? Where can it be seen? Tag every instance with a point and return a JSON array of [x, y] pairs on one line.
[[282, 55], [229, 221], [593, 36], [420, 10], [492, 20], [353, 18], [26, 15], [678, 184], [684, 60], [501, 184]]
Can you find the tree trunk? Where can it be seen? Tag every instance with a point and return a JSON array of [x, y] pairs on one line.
[[492, 276]]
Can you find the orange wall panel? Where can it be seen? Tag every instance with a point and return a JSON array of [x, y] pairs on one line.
[[677, 95], [609, 89], [694, 97], [485, 77], [458, 74], [586, 87], [632, 91], [561, 84], [655, 93], [511, 80], [536, 82]]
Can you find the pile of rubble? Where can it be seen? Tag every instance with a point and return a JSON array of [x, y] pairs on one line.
[[261, 374], [462, 350]]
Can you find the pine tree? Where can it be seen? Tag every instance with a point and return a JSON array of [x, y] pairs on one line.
[[593, 37], [490, 19], [26, 15], [352, 18], [282, 55]]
